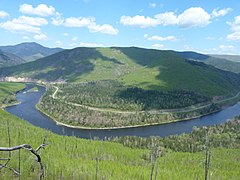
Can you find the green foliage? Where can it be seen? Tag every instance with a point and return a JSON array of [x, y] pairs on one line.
[[224, 135], [143, 68], [7, 92], [112, 105], [8, 59], [74, 158], [224, 64], [111, 94]]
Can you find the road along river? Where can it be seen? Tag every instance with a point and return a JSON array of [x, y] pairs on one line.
[[27, 111]]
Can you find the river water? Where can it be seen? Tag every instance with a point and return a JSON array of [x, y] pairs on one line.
[[27, 111]]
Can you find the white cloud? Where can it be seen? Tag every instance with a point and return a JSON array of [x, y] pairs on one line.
[[159, 38], [145, 35], [14, 27], [65, 34], [192, 17], [105, 29], [234, 36], [221, 12], [158, 46], [167, 18], [78, 21], [90, 45], [41, 36], [30, 21], [3, 14], [152, 5], [40, 10], [227, 48], [235, 27], [88, 22], [138, 20], [58, 20]]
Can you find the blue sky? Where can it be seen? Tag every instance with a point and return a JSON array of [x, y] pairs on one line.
[[204, 26]]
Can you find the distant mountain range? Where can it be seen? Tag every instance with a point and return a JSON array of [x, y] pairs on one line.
[[8, 59], [235, 58], [25, 52], [224, 62], [145, 68]]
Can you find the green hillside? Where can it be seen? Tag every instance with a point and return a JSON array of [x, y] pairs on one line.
[[235, 58], [75, 158], [144, 68], [228, 65], [8, 59], [225, 62], [7, 92]]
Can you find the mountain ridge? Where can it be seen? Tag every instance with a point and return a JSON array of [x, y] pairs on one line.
[[224, 62], [30, 51], [131, 66], [9, 59]]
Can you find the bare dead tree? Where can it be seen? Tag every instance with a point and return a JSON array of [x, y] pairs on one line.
[[155, 153], [35, 152], [207, 156], [19, 156]]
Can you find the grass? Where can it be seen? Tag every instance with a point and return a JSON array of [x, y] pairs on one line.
[[144, 68], [7, 91], [72, 157]]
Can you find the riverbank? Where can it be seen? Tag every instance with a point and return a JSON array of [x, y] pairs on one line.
[[114, 127], [158, 121], [8, 91], [64, 155], [162, 129], [121, 127]]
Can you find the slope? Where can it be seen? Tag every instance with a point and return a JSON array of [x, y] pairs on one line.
[[224, 62], [235, 58], [131, 66], [30, 51], [8, 59]]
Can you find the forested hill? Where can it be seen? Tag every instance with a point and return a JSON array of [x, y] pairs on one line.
[[131, 66], [224, 62], [29, 51], [9, 59]]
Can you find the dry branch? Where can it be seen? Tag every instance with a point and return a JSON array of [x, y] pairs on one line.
[[28, 148]]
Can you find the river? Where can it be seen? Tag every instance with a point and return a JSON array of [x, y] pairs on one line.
[[27, 111]]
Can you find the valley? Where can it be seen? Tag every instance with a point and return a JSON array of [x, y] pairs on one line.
[[119, 90], [173, 156], [121, 104], [106, 105]]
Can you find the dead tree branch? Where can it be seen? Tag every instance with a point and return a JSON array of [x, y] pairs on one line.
[[28, 148]]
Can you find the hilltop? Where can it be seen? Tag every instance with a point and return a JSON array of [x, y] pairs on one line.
[[29, 51], [131, 66]]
